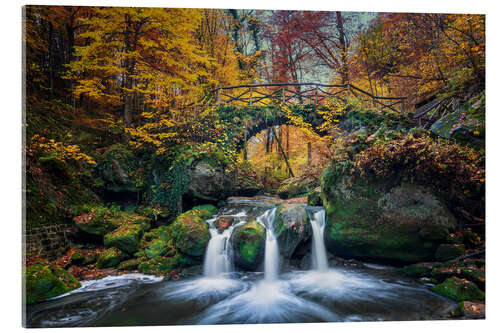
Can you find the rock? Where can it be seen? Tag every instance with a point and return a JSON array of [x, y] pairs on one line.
[[130, 264], [447, 252], [125, 238], [418, 270], [472, 310], [459, 290], [118, 169], [208, 182], [372, 219], [160, 265], [249, 243], [461, 125], [77, 258], [314, 197], [110, 258], [43, 281], [291, 227], [94, 224], [295, 186], [159, 247], [189, 231]]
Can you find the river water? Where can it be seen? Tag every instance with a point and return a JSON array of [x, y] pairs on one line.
[[224, 296]]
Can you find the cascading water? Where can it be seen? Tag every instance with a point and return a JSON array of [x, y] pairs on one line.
[[319, 259], [218, 257], [272, 257]]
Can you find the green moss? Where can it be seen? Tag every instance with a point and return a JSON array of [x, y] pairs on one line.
[[129, 264], [447, 252], [125, 238], [158, 247], [459, 290], [249, 240], [110, 258], [77, 258], [44, 281], [163, 265]]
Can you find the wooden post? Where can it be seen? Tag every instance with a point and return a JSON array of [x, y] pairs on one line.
[[250, 96], [283, 96]]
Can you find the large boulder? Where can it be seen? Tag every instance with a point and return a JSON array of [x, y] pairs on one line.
[[44, 281], [125, 238], [291, 227], [377, 220], [119, 169], [189, 231], [211, 183], [249, 243], [461, 125]]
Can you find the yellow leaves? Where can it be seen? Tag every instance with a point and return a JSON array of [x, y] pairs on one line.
[[61, 150]]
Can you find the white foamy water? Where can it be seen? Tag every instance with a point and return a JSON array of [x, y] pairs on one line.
[[319, 258], [219, 254], [272, 255]]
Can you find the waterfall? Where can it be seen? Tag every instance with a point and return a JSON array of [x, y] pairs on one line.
[[319, 259], [219, 256], [272, 256]]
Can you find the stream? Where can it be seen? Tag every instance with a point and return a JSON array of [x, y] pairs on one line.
[[223, 295]]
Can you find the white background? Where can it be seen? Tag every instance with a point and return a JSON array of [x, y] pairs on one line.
[[10, 159]]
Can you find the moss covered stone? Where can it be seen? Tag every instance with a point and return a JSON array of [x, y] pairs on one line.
[[370, 218], [459, 290], [160, 265], [249, 244], [44, 281], [447, 252], [291, 227], [77, 258], [189, 231], [129, 264], [125, 238], [110, 258]]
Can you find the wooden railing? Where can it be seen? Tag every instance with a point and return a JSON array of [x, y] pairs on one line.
[[300, 93]]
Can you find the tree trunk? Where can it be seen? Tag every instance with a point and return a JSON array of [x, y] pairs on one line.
[[344, 70]]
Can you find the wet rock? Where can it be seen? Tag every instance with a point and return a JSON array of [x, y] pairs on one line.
[[291, 227], [189, 231], [314, 197], [459, 290], [249, 243]]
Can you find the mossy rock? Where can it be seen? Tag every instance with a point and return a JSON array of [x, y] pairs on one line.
[[459, 290], [110, 258], [126, 218], [93, 224], [291, 227], [159, 247], [189, 231], [161, 265], [447, 252], [44, 281], [130, 264], [125, 238], [371, 218], [249, 243], [314, 197], [418, 270], [90, 258], [77, 258], [119, 169]]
